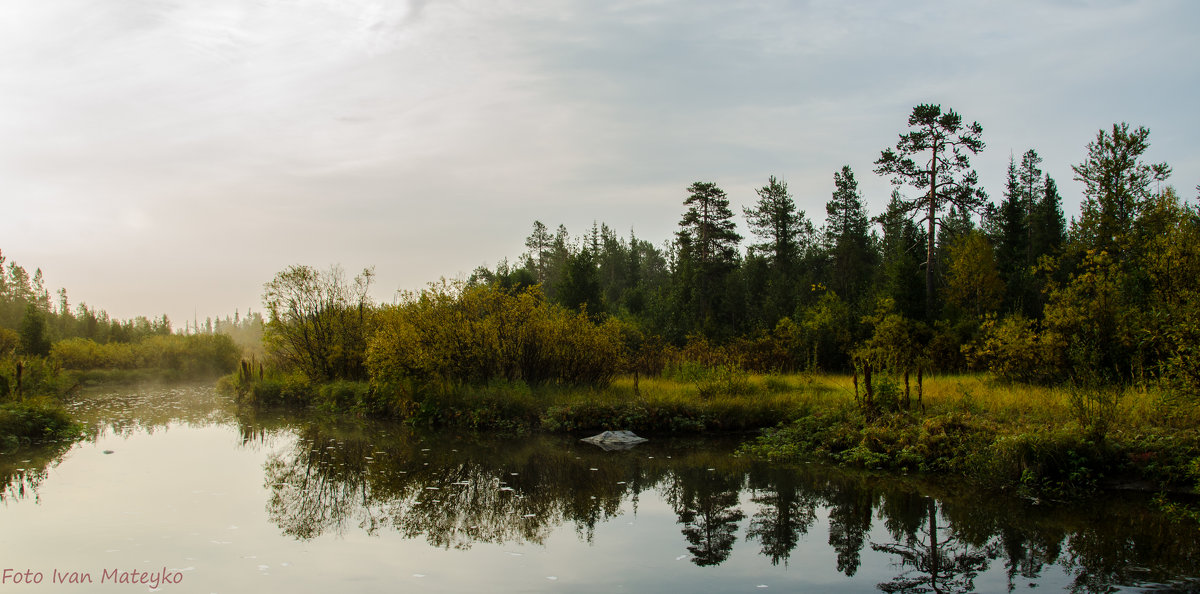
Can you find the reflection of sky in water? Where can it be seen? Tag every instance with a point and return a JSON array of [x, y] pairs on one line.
[[194, 486]]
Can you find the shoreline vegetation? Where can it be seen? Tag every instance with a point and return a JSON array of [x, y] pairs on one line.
[[948, 335], [1045, 442], [32, 387]]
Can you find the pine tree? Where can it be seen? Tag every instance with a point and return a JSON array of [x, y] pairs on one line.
[[941, 143]]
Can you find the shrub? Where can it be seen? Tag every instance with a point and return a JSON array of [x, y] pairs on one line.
[[450, 333], [34, 421], [1015, 350], [192, 356]]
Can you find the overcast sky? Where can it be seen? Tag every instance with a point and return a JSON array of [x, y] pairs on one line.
[[170, 156]]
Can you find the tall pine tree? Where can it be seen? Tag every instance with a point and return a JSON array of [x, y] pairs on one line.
[[935, 157]]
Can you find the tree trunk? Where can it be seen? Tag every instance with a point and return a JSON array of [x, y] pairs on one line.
[[920, 389], [932, 216], [869, 401], [929, 251]]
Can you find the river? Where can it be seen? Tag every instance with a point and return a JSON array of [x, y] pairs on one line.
[[181, 489]]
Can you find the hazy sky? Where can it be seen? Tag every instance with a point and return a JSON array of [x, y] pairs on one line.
[[170, 156]]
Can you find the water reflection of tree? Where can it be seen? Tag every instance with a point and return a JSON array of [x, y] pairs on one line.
[[706, 503], [452, 499], [319, 486], [334, 478], [934, 558], [785, 512], [1106, 548], [849, 523], [22, 472]]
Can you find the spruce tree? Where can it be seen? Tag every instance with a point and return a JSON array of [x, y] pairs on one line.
[[1012, 241], [847, 239], [900, 268], [1117, 184], [708, 253], [786, 235]]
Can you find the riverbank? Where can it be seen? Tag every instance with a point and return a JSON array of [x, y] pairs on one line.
[[36, 420], [1046, 442]]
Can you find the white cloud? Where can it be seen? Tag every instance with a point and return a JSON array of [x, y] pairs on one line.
[[424, 137]]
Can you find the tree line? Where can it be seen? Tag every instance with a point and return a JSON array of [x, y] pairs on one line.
[[46, 345], [944, 279]]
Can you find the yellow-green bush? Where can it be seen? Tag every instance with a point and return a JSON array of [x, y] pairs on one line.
[[1015, 350], [477, 334], [190, 356]]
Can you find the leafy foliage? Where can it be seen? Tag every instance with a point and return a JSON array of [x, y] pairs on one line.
[[318, 323], [451, 333]]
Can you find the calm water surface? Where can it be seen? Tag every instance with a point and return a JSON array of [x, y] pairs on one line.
[[225, 500]]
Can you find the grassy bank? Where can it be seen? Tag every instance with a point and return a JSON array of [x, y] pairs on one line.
[[721, 400], [34, 421], [1036, 441], [1039, 441]]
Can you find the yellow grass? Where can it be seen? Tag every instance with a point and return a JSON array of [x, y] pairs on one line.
[[981, 394]]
